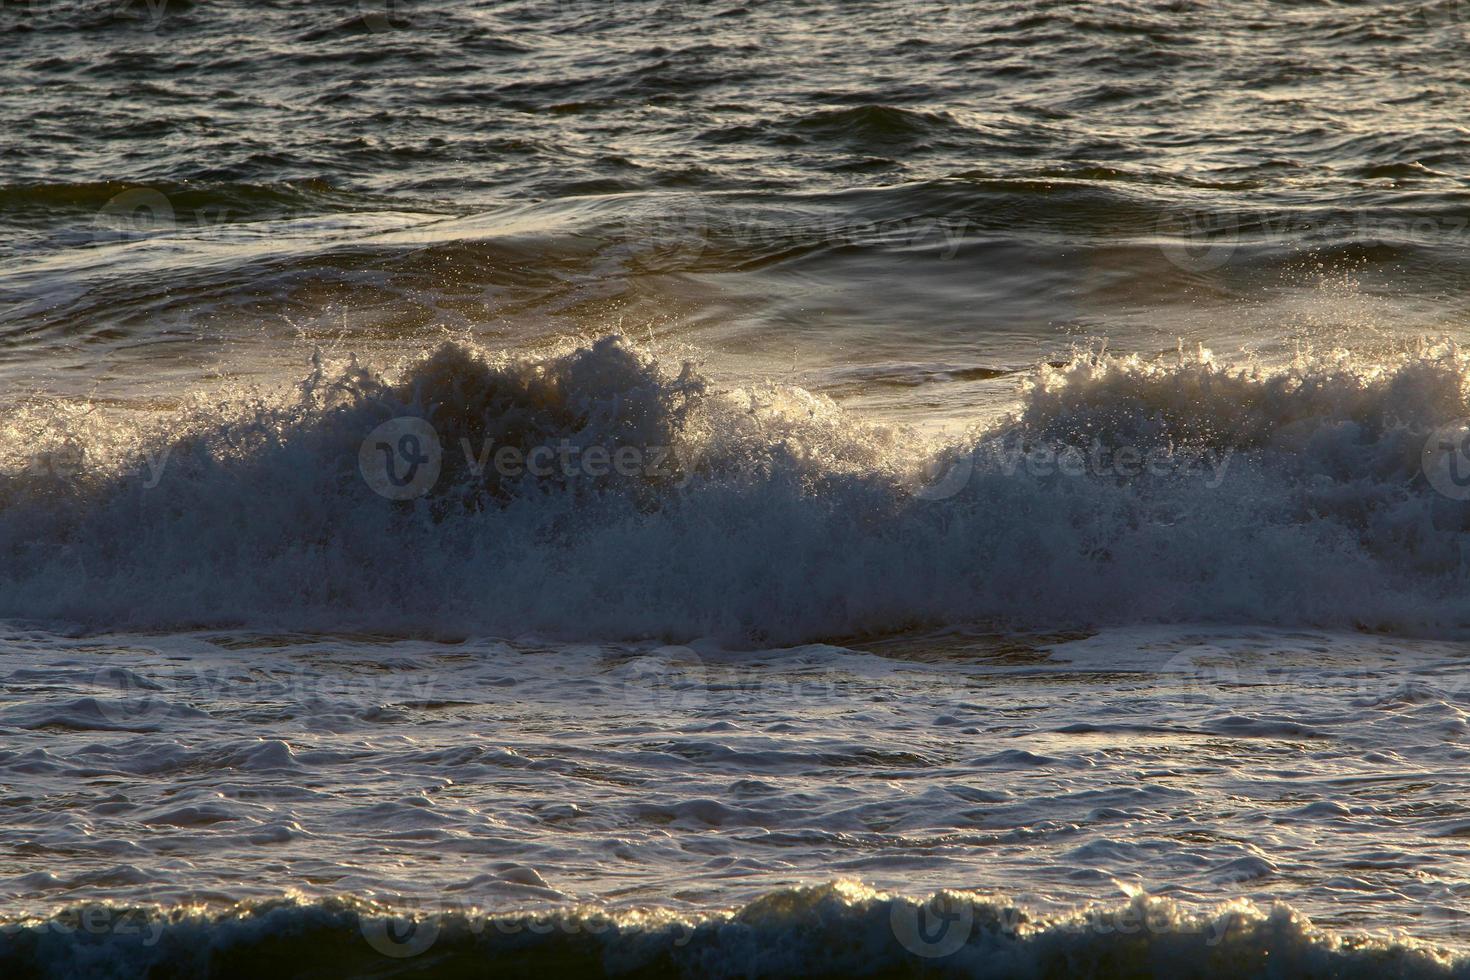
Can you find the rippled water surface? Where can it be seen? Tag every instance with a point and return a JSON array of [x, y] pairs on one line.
[[809, 187], [1044, 487]]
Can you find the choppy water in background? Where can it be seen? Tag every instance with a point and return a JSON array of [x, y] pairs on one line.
[[1048, 483], [809, 188]]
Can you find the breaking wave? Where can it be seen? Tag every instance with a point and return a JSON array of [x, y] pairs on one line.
[[1121, 490], [837, 930]]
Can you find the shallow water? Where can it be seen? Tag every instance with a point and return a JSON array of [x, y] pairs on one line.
[[465, 784]]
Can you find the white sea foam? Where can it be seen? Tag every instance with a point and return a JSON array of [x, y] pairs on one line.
[[841, 929], [210, 774], [1122, 490]]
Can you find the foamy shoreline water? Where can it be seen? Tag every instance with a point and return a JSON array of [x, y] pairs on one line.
[[837, 930], [494, 792]]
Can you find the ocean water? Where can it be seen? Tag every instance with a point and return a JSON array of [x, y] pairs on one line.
[[746, 488]]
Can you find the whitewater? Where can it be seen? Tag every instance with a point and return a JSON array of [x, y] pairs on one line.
[[737, 489], [752, 708], [602, 493]]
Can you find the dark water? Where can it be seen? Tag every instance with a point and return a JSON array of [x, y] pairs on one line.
[[805, 185]]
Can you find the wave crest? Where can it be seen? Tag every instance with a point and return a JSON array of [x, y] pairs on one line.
[[841, 929], [1122, 490]]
